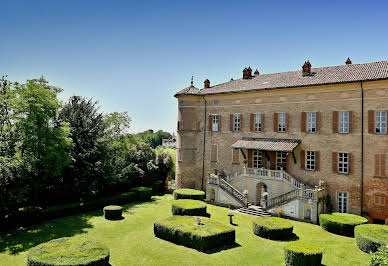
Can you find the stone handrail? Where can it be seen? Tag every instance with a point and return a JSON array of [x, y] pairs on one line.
[[215, 180], [293, 194]]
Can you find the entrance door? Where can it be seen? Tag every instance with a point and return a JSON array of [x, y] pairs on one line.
[[257, 159], [260, 189]]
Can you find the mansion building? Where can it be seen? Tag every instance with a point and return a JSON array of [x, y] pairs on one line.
[[306, 141]]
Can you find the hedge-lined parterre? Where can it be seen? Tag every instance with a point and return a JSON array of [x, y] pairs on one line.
[[69, 251], [183, 230], [188, 207], [186, 193], [272, 228], [142, 193], [341, 223], [299, 253], [370, 237], [113, 212]]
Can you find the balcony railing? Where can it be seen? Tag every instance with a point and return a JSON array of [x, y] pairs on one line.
[[306, 194], [215, 180]]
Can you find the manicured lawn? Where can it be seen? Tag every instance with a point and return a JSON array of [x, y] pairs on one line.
[[131, 241]]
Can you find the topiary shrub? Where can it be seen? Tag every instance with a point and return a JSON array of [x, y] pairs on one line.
[[69, 251], [187, 193], [158, 187], [341, 223], [188, 207], [300, 253], [370, 237], [183, 230], [380, 258], [142, 193], [274, 228], [113, 212]]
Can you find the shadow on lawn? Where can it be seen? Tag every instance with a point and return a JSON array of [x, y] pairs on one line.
[[227, 247], [23, 239]]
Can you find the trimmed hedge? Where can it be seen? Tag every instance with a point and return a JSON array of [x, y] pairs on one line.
[[188, 207], [158, 187], [380, 258], [142, 193], [274, 228], [69, 251], [370, 237], [186, 193], [341, 223], [300, 253], [183, 230], [113, 212]]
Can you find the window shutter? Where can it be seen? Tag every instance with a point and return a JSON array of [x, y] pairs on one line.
[[198, 125], [318, 121], [350, 163], [371, 122], [249, 158], [272, 160], [335, 162], [287, 118], [275, 122], [213, 156], [302, 159], [262, 122], [303, 122], [317, 161], [382, 163], [351, 113], [241, 122], [219, 123], [335, 122], [252, 123], [236, 157], [231, 122], [377, 165], [210, 123]]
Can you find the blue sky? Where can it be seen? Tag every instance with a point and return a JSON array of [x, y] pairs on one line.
[[133, 55]]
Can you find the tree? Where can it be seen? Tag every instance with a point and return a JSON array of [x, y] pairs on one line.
[[154, 138], [117, 124]]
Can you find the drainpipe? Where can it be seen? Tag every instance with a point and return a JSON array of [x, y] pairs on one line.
[[362, 150], [204, 143]]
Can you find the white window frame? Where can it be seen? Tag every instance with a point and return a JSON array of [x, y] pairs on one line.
[[258, 122], [343, 162], [257, 159], [310, 160], [215, 123], [236, 122], [281, 158], [311, 122], [343, 201], [381, 122], [343, 126], [282, 122]]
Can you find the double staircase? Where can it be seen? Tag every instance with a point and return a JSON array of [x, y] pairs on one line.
[[253, 210]]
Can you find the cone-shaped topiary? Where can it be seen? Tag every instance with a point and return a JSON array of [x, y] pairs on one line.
[[186, 193], [370, 237], [113, 212], [300, 253], [341, 223]]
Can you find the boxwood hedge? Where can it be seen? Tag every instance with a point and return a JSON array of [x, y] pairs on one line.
[[341, 223], [142, 193], [272, 228], [370, 237], [380, 257], [188, 207], [300, 253], [113, 212], [186, 193], [183, 230], [69, 251]]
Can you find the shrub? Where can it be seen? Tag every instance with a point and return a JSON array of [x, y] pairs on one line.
[[183, 230], [341, 223], [188, 207], [113, 212], [142, 193], [370, 237], [158, 187], [380, 258], [69, 251], [186, 193], [300, 253], [272, 228]]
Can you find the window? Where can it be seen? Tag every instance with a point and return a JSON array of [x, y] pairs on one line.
[[257, 121], [381, 122], [311, 122], [281, 158], [215, 102], [380, 165], [342, 199], [236, 156], [179, 155], [310, 160], [215, 123], [380, 200], [236, 122], [257, 159], [180, 125], [343, 163], [214, 154], [282, 122], [343, 122]]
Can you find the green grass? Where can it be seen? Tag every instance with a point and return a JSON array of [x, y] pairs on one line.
[[131, 241], [370, 237]]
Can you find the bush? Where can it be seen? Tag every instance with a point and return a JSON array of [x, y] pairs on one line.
[[183, 230], [158, 187], [272, 228], [370, 237], [142, 193], [380, 258], [300, 253], [69, 251], [186, 193], [113, 212], [189, 207], [341, 223]]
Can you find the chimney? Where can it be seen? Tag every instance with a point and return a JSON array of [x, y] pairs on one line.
[[247, 73], [348, 61], [256, 72], [206, 83], [306, 69]]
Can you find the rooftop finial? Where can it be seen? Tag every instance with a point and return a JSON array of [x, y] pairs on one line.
[[192, 80]]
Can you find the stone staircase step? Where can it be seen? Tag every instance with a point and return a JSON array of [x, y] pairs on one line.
[[253, 210]]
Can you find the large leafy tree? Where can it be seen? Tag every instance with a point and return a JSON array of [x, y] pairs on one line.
[[154, 138]]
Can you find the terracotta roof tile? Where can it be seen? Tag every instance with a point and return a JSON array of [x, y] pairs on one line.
[[267, 144]]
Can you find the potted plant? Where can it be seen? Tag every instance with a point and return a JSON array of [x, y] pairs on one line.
[[321, 184]]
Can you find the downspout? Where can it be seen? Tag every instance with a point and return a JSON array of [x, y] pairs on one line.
[[204, 143], [362, 150]]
